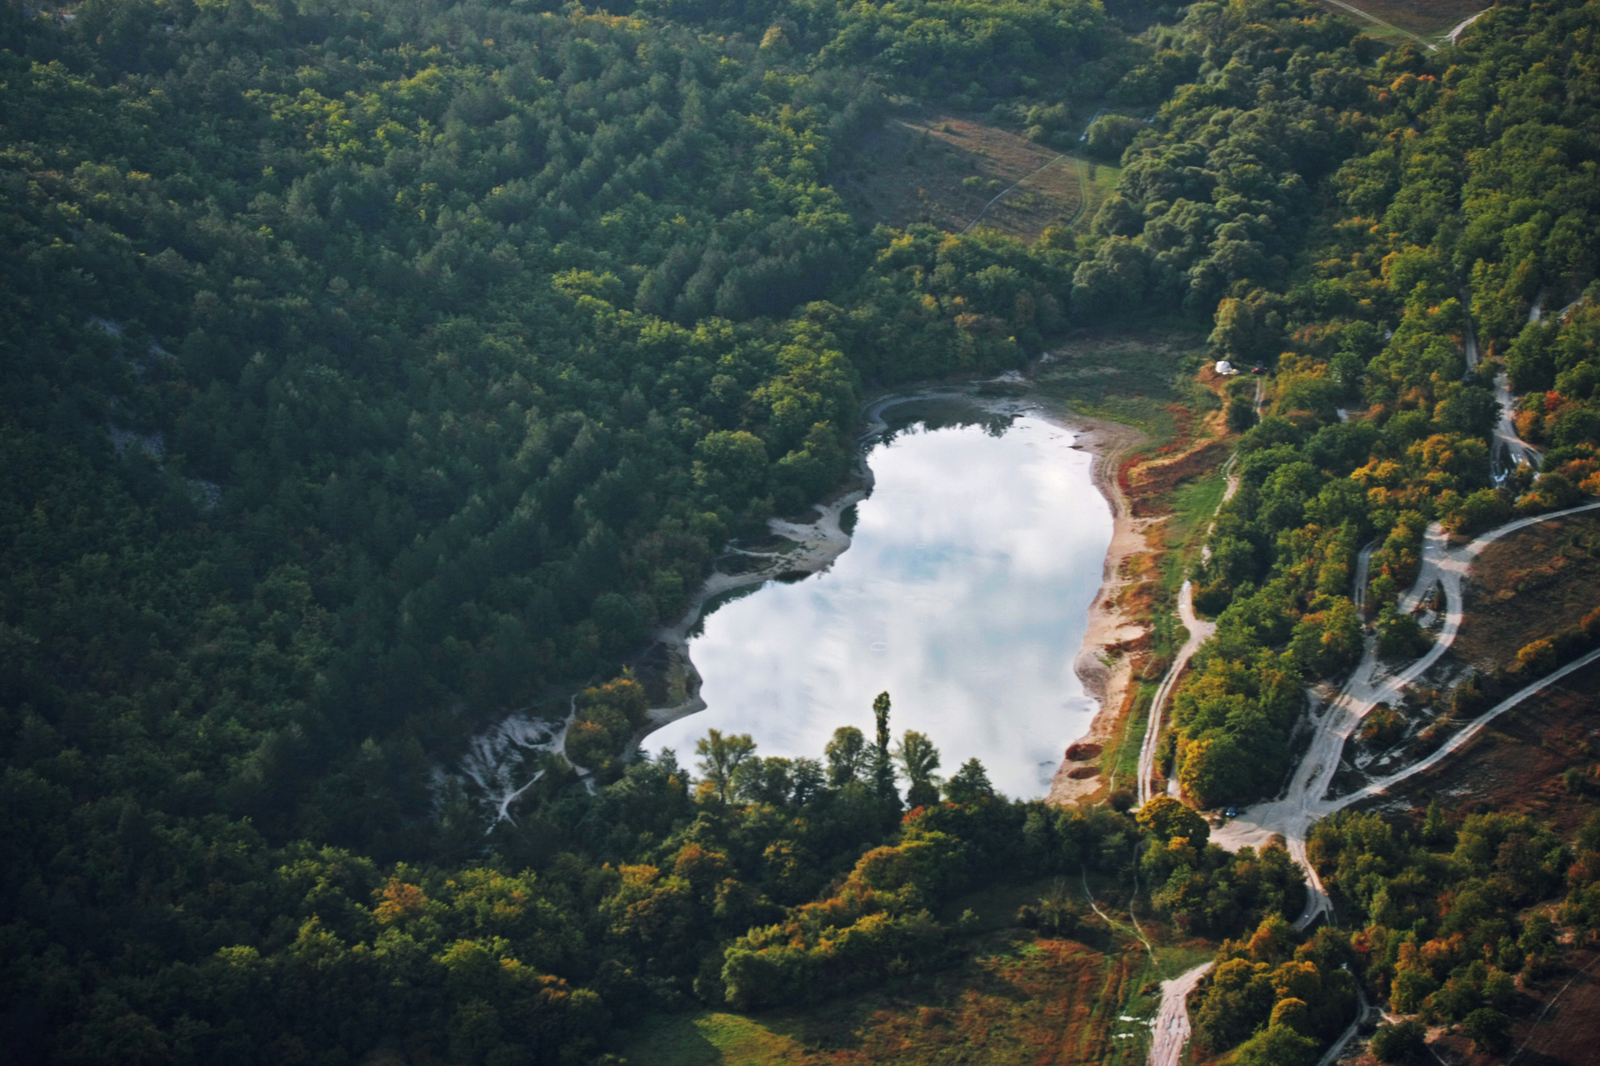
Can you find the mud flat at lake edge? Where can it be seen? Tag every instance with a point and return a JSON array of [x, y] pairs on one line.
[[814, 547]]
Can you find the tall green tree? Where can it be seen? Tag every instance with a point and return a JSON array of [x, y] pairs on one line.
[[918, 759]]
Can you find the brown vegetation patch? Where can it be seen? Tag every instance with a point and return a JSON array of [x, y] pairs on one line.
[[945, 168], [1518, 764], [1037, 1008], [1569, 1030], [1129, 646], [1163, 474], [1426, 18], [1527, 586], [1079, 752], [1083, 773]]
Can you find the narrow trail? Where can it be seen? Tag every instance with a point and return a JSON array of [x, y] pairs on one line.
[[1363, 572], [1199, 633], [1112, 923], [1429, 45], [1019, 181], [1506, 441], [1231, 486], [1548, 1004], [1336, 1049], [1459, 28], [1517, 450]]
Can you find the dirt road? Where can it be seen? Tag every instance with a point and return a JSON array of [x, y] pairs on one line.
[[1304, 803], [1172, 1021], [1369, 685], [1199, 633], [1465, 735]]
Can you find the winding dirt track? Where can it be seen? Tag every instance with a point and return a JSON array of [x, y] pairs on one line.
[[1369, 684], [1199, 633], [1304, 804]]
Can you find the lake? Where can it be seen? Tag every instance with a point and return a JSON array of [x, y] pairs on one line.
[[964, 594]]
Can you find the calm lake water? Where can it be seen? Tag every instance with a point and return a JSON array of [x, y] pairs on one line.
[[964, 594]]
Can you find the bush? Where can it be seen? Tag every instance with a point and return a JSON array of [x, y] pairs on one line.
[[1537, 658], [1110, 135], [1400, 635], [1241, 414], [1489, 1029], [1402, 1044]]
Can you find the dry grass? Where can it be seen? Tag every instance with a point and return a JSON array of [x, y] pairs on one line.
[[946, 168], [1527, 586], [1043, 1001], [1428, 19], [1517, 763]]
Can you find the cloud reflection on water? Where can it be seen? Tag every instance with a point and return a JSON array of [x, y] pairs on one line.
[[964, 593]]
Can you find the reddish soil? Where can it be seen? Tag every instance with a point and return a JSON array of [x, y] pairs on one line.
[[1566, 1027]]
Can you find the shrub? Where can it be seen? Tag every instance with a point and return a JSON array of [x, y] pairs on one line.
[[1401, 1044]]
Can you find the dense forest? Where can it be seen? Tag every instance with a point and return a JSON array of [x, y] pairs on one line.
[[372, 370]]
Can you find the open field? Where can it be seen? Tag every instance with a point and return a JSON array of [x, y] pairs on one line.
[[947, 169], [1420, 20], [1143, 378], [1527, 586]]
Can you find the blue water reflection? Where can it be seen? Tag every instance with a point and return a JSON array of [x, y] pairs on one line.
[[964, 593]]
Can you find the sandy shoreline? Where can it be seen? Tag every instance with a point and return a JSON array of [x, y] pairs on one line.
[[1109, 623]]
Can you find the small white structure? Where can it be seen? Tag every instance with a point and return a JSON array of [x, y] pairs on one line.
[[1225, 368]]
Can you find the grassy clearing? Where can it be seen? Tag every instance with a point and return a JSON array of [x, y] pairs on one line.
[[1428, 20], [1120, 763], [1022, 1003], [1130, 376], [1013, 999], [1194, 505], [948, 168]]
